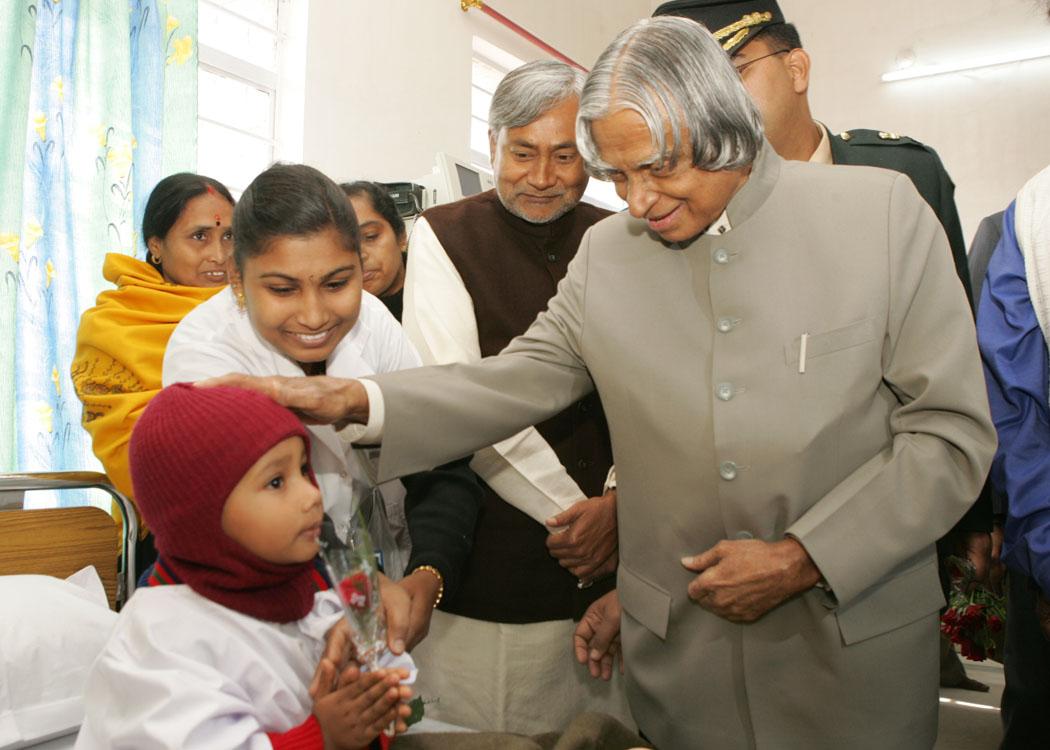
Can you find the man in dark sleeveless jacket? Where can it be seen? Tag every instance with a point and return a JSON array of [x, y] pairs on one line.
[[480, 270]]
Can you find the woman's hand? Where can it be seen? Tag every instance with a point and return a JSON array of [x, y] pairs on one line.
[[422, 588], [318, 399]]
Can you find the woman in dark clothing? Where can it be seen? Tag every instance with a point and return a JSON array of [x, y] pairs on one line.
[[383, 242]]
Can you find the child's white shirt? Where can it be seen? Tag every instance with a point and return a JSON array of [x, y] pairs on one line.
[[181, 671]]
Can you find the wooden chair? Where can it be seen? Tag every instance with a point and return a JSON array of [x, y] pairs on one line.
[[60, 541]]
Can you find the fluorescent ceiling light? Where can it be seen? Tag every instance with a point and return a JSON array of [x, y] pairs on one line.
[[923, 71]]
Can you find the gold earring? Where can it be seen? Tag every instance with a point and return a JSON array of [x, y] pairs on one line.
[[155, 258], [239, 295]]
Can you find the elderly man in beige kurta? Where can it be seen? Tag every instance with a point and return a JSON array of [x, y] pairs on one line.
[[796, 407]]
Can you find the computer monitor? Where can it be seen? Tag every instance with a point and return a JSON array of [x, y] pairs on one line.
[[452, 179]]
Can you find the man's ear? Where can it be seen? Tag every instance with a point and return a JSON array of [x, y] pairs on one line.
[[493, 142], [798, 63]]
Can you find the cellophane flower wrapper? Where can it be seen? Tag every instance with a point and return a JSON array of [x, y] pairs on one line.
[[976, 616], [354, 572]]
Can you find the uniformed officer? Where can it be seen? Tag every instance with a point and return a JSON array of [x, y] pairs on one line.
[[768, 54]]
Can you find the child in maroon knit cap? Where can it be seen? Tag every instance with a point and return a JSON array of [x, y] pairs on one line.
[[222, 649]]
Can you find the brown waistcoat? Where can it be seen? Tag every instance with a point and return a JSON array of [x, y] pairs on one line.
[[511, 268]]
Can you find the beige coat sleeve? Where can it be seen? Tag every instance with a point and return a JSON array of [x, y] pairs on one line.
[[471, 406], [439, 319], [943, 440]]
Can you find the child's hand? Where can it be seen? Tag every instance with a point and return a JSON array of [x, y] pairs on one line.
[[363, 705], [338, 652]]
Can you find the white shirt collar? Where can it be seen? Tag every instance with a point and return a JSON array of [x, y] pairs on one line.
[[720, 225]]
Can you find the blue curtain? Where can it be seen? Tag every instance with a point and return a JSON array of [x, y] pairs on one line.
[[99, 104]]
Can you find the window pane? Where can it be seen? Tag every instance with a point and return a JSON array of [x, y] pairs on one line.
[[480, 102], [604, 194], [479, 135], [224, 31], [261, 11], [484, 76], [231, 157], [234, 103]]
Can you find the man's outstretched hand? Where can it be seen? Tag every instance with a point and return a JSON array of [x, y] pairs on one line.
[[318, 399]]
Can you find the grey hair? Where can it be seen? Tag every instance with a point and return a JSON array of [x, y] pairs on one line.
[[531, 89], [673, 73]]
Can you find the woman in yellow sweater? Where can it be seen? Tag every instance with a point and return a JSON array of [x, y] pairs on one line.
[[121, 340]]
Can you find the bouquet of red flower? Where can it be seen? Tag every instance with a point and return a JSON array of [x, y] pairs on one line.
[[976, 616], [354, 572], [352, 568]]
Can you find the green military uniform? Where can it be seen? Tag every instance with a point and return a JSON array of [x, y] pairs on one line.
[[872, 148], [736, 23]]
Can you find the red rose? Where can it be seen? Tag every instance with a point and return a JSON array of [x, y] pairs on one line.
[[356, 591]]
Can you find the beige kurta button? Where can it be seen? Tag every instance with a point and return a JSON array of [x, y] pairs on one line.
[[725, 325], [727, 470], [744, 535], [721, 256], [724, 391]]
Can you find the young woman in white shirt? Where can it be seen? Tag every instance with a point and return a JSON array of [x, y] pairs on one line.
[[296, 307]]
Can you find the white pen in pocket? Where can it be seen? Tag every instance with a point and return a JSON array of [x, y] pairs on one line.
[[802, 353]]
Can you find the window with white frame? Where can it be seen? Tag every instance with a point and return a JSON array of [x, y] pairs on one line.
[[249, 60], [488, 66]]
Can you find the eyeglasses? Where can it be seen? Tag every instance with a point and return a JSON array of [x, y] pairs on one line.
[[743, 66]]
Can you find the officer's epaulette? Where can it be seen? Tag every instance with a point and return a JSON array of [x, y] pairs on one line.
[[865, 137]]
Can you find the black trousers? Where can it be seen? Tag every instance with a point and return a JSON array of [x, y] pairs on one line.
[[1026, 698]]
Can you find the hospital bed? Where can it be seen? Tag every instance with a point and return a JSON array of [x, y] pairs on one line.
[[50, 631], [52, 628]]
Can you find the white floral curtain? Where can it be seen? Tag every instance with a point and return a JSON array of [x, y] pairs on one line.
[[99, 102]]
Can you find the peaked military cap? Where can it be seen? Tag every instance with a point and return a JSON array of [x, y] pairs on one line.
[[732, 22]]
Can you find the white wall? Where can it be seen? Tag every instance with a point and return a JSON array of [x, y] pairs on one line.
[[388, 83]]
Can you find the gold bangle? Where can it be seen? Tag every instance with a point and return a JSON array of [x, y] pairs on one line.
[[441, 581]]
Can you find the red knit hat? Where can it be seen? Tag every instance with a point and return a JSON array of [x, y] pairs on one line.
[[188, 451]]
